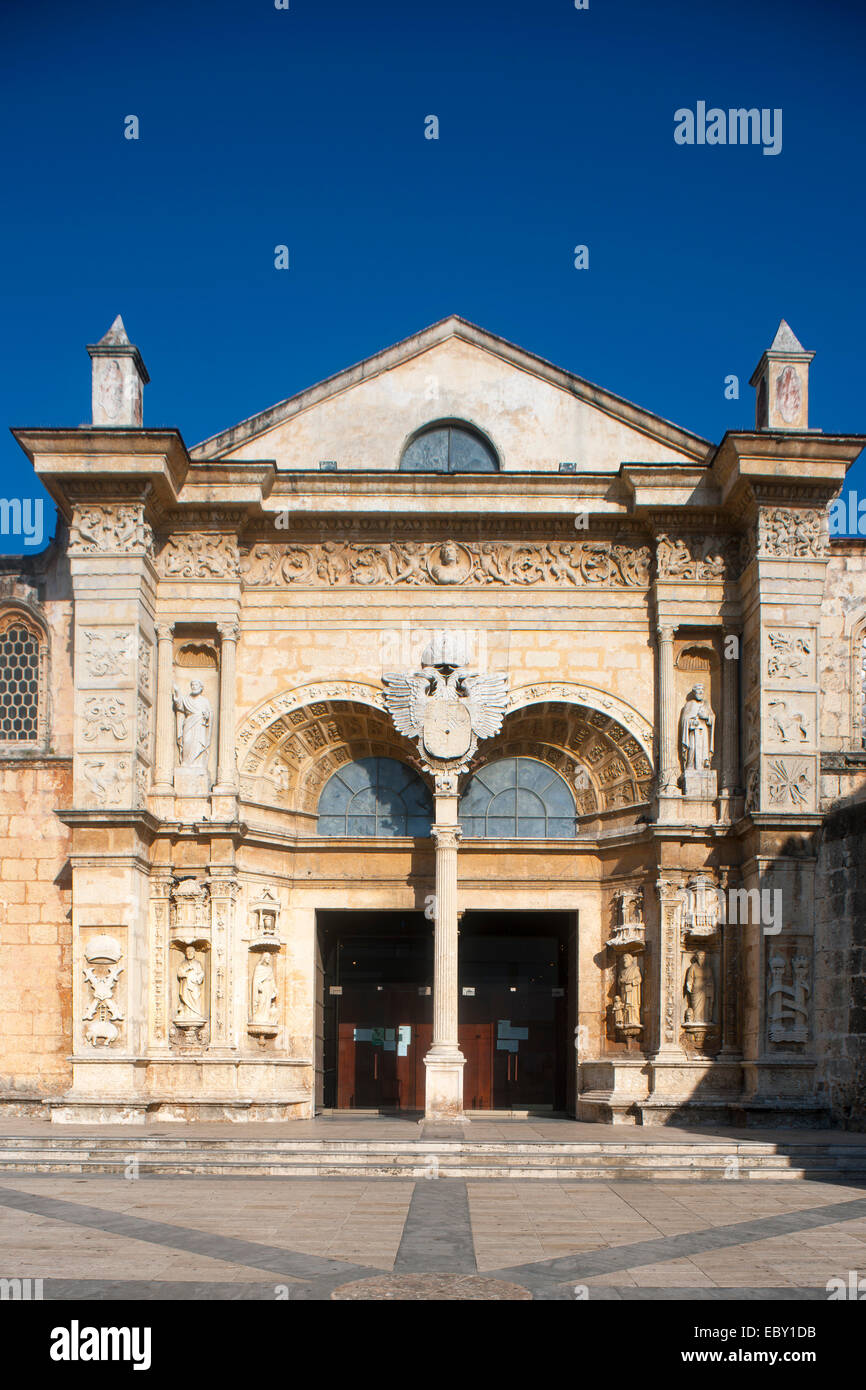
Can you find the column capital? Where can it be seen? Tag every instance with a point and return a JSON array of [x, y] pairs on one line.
[[229, 631], [164, 631], [665, 631], [446, 836]]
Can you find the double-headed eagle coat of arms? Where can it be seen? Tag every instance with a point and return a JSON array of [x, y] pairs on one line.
[[445, 706]]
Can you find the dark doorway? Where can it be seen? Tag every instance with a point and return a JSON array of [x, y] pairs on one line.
[[378, 1009], [514, 1009]]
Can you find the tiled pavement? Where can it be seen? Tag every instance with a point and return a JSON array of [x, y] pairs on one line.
[[262, 1238]]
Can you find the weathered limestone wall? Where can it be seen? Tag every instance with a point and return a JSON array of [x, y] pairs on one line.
[[35, 929], [840, 965]]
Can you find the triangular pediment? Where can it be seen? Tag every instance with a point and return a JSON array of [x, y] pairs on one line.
[[535, 414]]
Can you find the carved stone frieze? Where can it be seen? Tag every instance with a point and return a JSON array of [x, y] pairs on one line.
[[785, 533], [699, 557], [110, 529], [199, 555], [562, 563]]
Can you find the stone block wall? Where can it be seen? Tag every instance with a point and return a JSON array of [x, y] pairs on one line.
[[35, 929], [840, 967]]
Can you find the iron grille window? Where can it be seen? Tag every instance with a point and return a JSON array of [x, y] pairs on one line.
[[20, 657], [375, 797], [449, 449], [517, 798]]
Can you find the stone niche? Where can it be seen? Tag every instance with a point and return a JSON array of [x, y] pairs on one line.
[[189, 965], [697, 677], [627, 942], [265, 974], [196, 663]]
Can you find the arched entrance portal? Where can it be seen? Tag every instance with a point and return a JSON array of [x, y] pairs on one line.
[[325, 769]]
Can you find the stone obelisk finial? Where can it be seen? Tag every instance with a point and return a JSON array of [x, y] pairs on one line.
[[119, 377]]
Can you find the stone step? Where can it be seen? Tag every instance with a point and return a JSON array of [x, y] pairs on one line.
[[320, 1158]]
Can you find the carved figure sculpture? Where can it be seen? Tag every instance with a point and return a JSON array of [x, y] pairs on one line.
[[194, 725], [264, 1004], [697, 727], [190, 978], [700, 989]]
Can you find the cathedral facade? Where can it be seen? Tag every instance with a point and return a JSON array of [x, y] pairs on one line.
[[454, 736]]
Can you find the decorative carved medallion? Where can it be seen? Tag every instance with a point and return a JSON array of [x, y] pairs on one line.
[[105, 714], [108, 652]]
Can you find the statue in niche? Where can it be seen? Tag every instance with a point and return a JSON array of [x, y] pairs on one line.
[[194, 715], [264, 1008], [697, 726], [629, 985], [190, 979], [699, 988]]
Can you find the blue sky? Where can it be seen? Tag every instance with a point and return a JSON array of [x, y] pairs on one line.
[[305, 127]]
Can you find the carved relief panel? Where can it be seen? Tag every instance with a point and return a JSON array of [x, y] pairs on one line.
[[789, 720], [103, 1013], [789, 993]]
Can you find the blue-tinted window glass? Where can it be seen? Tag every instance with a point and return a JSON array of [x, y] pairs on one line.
[[375, 797], [517, 797]]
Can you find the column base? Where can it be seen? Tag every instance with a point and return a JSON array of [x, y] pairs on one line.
[[444, 1088]]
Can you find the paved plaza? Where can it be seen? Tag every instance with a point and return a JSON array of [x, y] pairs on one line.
[[106, 1237]]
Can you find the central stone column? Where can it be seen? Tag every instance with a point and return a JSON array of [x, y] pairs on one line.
[[447, 707], [445, 1062]]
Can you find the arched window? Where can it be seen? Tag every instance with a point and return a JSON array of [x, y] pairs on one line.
[[449, 447], [375, 796], [22, 679], [517, 797]]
